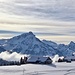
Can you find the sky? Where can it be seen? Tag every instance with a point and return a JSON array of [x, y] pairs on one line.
[[47, 19]]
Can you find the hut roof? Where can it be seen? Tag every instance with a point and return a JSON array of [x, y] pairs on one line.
[[37, 58]]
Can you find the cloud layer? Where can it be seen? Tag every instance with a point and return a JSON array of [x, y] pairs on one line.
[[48, 9], [11, 57], [46, 18]]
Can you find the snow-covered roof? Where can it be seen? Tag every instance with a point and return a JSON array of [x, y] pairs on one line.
[[37, 58]]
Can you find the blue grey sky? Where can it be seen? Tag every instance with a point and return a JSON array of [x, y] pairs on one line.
[[47, 19]]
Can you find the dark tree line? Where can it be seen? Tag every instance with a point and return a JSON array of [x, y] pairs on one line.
[[5, 63], [23, 61]]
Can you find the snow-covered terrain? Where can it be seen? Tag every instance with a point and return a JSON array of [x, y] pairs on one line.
[[28, 43], [37, 69]]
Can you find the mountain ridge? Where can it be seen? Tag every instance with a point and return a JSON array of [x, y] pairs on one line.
[[28, 43]]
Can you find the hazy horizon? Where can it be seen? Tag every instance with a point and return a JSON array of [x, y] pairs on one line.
[[48, 19]]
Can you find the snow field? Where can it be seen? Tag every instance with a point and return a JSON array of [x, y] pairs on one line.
[[38, 69]]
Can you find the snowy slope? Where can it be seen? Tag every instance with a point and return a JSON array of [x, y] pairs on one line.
[[2, 49], [28, 43], [66, 50], [72, 46], [62, 49], [50, 43], [33, 69]]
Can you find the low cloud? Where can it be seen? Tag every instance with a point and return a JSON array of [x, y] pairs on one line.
[[11, 57]]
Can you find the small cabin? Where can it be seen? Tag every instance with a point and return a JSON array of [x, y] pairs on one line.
[[39, 60]]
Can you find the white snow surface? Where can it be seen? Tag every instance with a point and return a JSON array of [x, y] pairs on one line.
[[38, 69]]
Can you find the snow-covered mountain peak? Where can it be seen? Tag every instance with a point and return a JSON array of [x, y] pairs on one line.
[[71, 43], [24, 35], [20, 38], [71, 46], [28, 43], [27, 34]]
